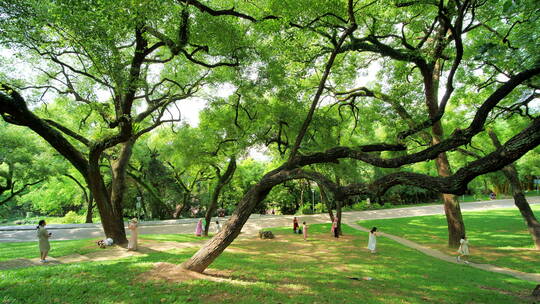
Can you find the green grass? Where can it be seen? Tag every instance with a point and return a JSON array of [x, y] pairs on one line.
[[498, 237], [29, 250], [284, 270]]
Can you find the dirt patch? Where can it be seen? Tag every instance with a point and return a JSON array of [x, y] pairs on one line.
[[292, 289], [522, 295], [174, 273]]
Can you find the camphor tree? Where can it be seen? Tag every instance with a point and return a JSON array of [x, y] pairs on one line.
[[21, 166], [429, 39], [123, 64]]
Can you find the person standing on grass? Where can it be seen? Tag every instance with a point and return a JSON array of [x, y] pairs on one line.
[[304, 229], [463, 250], [133, 224], [335, 230], [295, 224], [372, 242], [218, 227], [43, 237], [198, 229]]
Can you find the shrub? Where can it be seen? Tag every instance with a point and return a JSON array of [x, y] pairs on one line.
[[73, 218], [306, 209]]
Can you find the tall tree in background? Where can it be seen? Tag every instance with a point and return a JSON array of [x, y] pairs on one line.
[[123, 65]]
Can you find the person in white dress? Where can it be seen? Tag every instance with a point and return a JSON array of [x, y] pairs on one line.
[[463, 250], [218, 227], [133, 225], [372, 243]]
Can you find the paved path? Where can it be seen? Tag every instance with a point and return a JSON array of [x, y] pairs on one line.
[[254, 224], [535, 277]]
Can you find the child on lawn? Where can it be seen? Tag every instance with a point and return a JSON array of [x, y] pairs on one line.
[[463, 250], [372, 243]]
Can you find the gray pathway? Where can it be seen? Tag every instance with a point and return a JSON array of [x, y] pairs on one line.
[[534, 277], [254, 224]]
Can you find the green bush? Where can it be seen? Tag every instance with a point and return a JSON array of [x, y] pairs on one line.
[[73, 218], [306, 209]]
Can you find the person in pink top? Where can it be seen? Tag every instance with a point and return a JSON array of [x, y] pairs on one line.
[[198, 230]]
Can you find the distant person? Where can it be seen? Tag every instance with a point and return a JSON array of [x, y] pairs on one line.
[[218, 227], [198, 229], [372, 242], [492, 195], [335, 229], [133, 226], [463, 250], [304, 229], [43, 237], [295, 224]]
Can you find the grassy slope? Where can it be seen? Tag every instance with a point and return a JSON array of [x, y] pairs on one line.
[[284, 270], [498, 237]]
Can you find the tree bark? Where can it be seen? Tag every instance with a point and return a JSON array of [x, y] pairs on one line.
[[519, 197], [111, 218], [325, 200], [454, 219], [89, 211], [206, 255], [222, 181], [338, 214]]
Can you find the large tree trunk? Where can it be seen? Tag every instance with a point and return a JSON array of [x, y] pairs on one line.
[[206, 255], [456, 227], [111, 218], [519, 197], [222, 181]]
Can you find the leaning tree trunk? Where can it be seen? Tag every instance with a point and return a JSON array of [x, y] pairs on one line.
[[222, 181], [206, 255], [519, 197]]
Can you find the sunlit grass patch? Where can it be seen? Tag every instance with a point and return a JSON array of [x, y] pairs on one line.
[[285, 270], [498, 237]]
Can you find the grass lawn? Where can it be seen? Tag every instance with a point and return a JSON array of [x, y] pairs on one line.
[[284, 270], [498, 237], [29, 250]]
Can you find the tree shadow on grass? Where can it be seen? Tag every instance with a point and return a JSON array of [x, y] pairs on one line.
[[399, 274]]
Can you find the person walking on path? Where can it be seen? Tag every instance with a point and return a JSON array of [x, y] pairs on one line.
[[43, 237], [304, 230], [133, 224], [463, 250], [372, 242], [335, 230], [295, 224], [198, 229]]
